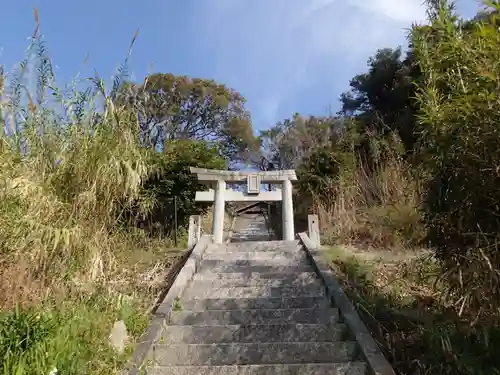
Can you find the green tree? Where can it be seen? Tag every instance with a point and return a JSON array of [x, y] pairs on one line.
[[381, 101], [173, 186], [288, 143], [178, 107]]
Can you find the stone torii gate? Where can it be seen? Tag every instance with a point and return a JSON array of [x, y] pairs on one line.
[[219, 194]]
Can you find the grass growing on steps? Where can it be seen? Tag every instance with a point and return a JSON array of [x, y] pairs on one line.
[[400, 299]]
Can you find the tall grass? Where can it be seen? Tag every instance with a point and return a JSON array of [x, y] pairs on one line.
[[459, 112], [70, 165], [377, 207]]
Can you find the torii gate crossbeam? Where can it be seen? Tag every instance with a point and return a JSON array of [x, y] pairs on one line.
[[254, 180]]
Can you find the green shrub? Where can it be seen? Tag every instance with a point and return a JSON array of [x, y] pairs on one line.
[[459, 113], [174, 180]]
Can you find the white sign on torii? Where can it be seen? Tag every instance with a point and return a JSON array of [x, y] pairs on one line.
[[219, 195]]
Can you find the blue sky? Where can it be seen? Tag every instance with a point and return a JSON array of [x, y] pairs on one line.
[[284, 56]]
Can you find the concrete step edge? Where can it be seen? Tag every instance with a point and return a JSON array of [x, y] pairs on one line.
[[310, 310], [257, 276], [195, 291], [261, 316], [254, 256], [254, 325], [234, 283], [248, 333], [352, 368], [209, 304], [200, 285], [256, 268], [254, 353], [264, 244], [257, 249]]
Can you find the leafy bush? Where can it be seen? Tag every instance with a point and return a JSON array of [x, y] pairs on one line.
[[173, 186], [319, 172]]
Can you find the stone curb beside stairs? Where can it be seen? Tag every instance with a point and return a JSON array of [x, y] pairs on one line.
[[370, 351], [154, 329]]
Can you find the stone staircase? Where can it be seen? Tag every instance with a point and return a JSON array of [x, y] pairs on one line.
[[250, 227], [255, 308]]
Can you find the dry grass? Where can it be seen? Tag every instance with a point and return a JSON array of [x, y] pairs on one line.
[[70, 266], [400, 298], [375, 221], [398, 287], [377, 209]]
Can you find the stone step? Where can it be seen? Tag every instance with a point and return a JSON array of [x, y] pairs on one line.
[[283, 251], [256, 353], [256, 256], [265, 244], [237, 333], [247, 282], [290, 270], [253, 262], [245, 238], [352, 368], [272, 316], [265, 247], [205, 276], [257, 246], [254, 303], [217, 255], [200, 291], [254, 233]]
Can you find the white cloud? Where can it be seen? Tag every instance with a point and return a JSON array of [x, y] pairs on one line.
[[398, 10], [270, 50]]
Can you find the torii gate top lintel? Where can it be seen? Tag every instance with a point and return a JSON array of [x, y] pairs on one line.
[[265, 177]]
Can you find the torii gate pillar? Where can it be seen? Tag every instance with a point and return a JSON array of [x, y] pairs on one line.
[[287, 211], [218, 215], [254, 181]]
